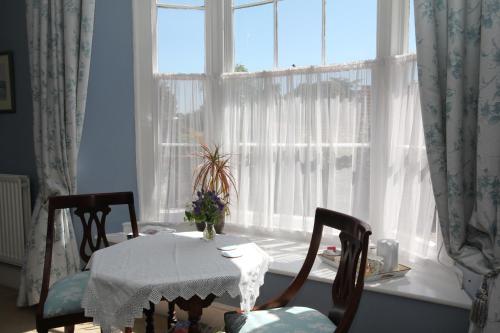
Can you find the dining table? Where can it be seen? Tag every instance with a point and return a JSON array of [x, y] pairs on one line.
[[183, 268]]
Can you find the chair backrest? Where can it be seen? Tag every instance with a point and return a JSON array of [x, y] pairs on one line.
[[92, 210], [349, 280]]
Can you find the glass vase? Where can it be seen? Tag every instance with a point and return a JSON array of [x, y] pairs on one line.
[[209, 232]]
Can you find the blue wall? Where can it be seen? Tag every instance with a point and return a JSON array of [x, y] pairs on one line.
[[107, 153], [16, 130]]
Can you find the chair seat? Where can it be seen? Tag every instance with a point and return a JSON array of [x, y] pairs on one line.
[[65, 296], [288, 319]]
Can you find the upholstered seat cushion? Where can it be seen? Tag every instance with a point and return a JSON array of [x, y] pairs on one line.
[[290, 319], [65, 296]]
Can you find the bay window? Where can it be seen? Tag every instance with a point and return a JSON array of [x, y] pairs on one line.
[[317, 101]]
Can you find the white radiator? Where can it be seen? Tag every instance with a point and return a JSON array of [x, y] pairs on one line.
[[15, 214]]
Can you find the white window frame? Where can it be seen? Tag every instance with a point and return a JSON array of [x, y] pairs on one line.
[[276, 22], [392, 39]]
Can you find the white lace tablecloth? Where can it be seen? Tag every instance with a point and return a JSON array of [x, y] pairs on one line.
[[126, 276]]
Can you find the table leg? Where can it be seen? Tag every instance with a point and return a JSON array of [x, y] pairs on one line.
[[194, 316], [69, 329], [150, 328], [172, 320], [194, 306]]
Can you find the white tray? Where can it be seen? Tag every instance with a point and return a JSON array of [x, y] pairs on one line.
[[399, 272]]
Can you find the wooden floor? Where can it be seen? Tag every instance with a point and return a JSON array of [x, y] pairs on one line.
[[22, 320]]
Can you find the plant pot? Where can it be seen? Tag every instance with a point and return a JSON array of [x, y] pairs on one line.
[[200, 226], [220, 225]]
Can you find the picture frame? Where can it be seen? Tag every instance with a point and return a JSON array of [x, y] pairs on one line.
[[7, 89]]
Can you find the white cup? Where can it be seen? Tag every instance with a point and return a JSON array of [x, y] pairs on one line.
[[388, 249]]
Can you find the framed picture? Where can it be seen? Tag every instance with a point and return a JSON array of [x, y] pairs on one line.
[[7, 101]]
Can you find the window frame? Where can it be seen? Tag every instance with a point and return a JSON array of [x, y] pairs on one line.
[[392, 39], [391, 36], [256, 3]]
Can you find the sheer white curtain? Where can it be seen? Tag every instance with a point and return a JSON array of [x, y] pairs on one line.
[[300, 139], [184, 120], [347, 138], [401, 201]]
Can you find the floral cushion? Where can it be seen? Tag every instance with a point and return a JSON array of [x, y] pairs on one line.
[[65, 296], [291, 320]]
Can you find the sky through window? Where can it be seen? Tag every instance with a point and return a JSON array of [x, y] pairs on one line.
[[350, 34]]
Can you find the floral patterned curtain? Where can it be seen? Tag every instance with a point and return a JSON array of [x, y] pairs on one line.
[[60, 43], [458, 51]]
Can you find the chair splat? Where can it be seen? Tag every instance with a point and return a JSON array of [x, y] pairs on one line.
[[88, 241]]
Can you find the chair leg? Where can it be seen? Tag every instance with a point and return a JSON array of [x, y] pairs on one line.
[[69, 329], [172, 320]]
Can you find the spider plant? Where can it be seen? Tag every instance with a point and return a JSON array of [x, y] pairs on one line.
[[214, 173]]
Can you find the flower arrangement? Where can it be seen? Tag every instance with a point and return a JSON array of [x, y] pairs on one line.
[[206, 208]]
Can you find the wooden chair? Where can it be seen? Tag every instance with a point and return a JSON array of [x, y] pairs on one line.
[[274, 317], [55, 310]]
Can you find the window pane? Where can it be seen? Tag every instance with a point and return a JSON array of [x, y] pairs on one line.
[[412, 44], [299, 44], [180, 40], [351, 30], [253, 37], [183, 2]]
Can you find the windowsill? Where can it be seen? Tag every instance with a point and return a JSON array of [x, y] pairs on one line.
[[427, 281]]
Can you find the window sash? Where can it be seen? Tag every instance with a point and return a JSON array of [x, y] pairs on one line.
[[392, 30]]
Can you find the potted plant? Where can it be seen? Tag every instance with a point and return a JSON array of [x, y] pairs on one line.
[[214, 174]]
